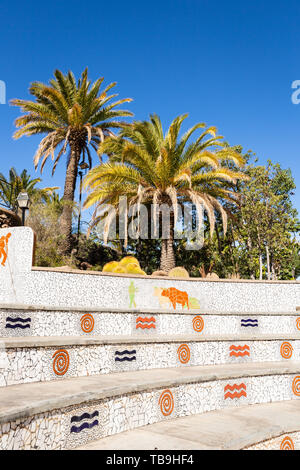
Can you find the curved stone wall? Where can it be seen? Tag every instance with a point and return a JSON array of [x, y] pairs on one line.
[[42, 287]]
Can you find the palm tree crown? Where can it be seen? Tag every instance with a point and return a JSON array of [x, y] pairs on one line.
[[147, 165], [75, 116], [17, 183]]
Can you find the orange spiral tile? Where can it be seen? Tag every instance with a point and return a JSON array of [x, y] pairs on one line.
[[286, 350], [296, 386], [298, 323], [87, 323], [184, 353], [287, 444], [61, 362], [166, 402], [198, 323]]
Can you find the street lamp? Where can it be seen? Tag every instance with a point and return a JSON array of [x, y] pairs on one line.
[[23, 202]]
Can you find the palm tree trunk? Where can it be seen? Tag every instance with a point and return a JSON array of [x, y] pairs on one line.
[[260, 267], [68, 201], [167, 257], [268, 262]]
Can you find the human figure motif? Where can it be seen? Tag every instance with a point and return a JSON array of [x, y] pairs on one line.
[[4, 248], [132, 290]]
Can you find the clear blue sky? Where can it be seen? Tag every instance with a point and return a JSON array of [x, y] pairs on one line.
[[227, 63]]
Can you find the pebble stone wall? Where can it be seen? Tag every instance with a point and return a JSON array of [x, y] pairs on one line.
[[25, 365], [15, 323], [23, 285], [73, 426]]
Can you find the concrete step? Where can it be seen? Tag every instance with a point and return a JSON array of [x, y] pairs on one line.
[[263, 426], [28, 321], [71, 412], [36, 359]]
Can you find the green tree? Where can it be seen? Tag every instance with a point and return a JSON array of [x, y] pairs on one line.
[[267, 224], [148, 166], [43, 218], [16, 183], [75, 116]]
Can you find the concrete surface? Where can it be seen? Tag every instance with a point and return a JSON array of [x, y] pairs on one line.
[[19, 401], [154, 311], [53, 341], [228, 429]]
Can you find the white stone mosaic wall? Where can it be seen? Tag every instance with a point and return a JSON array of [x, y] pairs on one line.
[[73, 426], [289, 441], [61, 323], [84, 290], [25, 365], [20, 285]]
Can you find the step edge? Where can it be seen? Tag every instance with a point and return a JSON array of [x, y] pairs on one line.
[[267, 433], [49, 342], [140, 311], [112, 391]]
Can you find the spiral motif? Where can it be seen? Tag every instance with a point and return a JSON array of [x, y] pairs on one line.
[[198, 323], [298, 323], [87, 323], [287, 444], [166, 402], [184, 353], [61, 362], [296, 386], [286, 350]]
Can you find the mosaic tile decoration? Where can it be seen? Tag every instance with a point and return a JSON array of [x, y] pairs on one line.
[[235, 391], [70, 427], [87, 323], [284, 442], [286, 350], [4, 248], [26, 365], [18, 322], [62, 323], [239, 351], [23, 285], [61, 362], [84, 421]]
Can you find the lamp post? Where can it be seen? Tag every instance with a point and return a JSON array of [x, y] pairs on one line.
[[23, 202], [83, 166]]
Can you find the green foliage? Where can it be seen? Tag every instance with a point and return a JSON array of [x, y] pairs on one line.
[[267, 223], [11, 187], [149, 166], [265, 217], [75, 116], [43, 218], [70, 113]]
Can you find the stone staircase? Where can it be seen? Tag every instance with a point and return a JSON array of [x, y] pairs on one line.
[[71, 378], [86, 357]]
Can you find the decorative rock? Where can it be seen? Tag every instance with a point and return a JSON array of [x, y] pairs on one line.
[[160, 273], [179, 271], [212, 276]]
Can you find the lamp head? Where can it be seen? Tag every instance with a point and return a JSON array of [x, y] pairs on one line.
[[23, 200]]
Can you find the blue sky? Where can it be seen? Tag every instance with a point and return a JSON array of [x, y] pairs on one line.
[[227, 63]]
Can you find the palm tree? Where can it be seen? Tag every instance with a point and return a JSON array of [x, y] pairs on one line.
[[75, 116], [149, 167], [15, 184]]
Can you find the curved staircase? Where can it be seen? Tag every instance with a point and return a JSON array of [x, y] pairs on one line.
[[76, 378]]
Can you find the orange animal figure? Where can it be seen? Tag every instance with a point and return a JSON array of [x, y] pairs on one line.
[[176, 297], [3, 248]]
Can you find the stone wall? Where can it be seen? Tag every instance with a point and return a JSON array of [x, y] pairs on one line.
[[9, 219], [23, 285]]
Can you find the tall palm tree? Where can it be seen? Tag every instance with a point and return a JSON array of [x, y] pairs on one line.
[[149, 166], [16, 183], [75, 116]]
